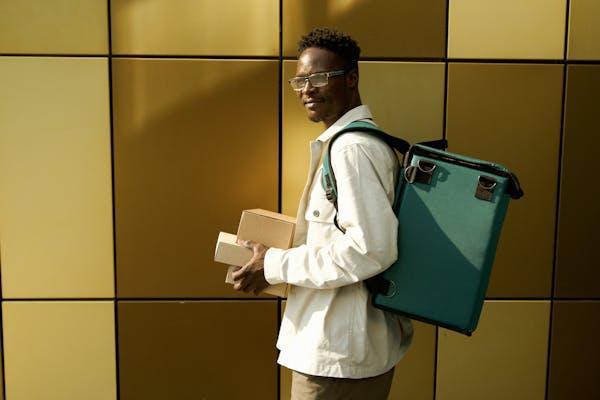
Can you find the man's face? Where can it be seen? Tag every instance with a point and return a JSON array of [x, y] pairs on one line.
[[327, 103]]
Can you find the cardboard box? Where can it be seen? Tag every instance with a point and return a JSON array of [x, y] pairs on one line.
[[269, 228], [229, 252]]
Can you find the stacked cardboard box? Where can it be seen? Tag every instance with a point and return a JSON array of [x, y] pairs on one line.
[[262, 226]]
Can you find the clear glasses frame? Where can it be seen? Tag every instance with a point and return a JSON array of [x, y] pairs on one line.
[[318, 79]]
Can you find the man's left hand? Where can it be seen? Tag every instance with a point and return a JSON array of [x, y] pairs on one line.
[[251, 277]]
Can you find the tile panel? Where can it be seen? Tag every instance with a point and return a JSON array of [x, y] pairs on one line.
[[59, 350], [195, 143], [192, 27], [575, 352], [411, 28], [54, 27], [55, 178], [197, 350], [577, 272], [505, 358], [584, 30], [509, 29]]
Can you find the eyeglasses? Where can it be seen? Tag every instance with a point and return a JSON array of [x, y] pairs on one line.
[[318, 79]]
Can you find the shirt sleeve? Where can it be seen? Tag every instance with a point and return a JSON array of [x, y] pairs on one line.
[[369, 245]]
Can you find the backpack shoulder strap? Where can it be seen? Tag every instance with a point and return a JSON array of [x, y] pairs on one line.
[[328, 181], [328, 178]]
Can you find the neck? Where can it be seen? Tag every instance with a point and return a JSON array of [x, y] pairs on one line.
[[353, 104]]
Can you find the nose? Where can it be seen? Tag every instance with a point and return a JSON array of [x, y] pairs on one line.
[[308, 88]]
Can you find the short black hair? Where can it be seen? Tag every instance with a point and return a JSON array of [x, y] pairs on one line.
[[333, 40]]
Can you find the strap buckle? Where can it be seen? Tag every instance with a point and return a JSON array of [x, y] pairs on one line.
[[421, 173], [485, 188]]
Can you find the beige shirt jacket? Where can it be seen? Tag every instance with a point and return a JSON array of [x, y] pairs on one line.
[[330, 327]]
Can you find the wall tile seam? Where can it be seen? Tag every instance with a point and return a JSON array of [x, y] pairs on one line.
[[558, 195], [114, 207], [277, 58], [132, 299], [219, 300]]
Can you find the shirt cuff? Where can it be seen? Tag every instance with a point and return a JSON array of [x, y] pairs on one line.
[[273, 261]]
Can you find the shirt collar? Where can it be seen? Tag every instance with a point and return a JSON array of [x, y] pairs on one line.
[[355, 114]]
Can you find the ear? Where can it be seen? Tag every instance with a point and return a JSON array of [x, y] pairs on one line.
[[352, 78]]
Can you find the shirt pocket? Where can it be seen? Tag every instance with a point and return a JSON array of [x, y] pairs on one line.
[[319, 210], [319, 215]]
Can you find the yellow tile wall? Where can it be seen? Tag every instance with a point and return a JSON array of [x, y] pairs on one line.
[[573, 371], [584, 30], [505, 358], [519, 29], [409, 28], [54, 27], [197, 349], [415, 373], [59, 350], [124, 107], [55, 178], [179, 156], [192, 27], [577, 273]]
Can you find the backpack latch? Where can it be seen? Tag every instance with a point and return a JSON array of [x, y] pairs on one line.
[[485, 188], [420, 173]]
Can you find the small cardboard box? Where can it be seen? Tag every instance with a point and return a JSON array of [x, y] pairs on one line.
[[230, 253], [269, 228], [266, 227]]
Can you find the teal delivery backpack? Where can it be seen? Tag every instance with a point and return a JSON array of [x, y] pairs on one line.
[[450, 210]]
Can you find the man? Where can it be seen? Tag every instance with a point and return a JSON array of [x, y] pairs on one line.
[[337, 344]]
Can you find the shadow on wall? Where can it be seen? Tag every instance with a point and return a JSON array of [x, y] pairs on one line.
[[195, 143], [382, 28]]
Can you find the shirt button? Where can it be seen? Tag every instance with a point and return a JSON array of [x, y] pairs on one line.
[[316, 213]]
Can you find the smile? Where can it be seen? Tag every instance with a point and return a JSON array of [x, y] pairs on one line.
[[311, 103]]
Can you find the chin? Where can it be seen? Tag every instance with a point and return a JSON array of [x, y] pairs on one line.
[[314, 117]]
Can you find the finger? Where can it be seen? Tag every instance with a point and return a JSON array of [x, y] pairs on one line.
[[245, 285], [239, 274], [241, 285], [248, 268], [259, 251], [253, 283], [232, 270], [246, 243]]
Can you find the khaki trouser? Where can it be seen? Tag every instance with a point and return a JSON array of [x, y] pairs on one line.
[[309, 387]]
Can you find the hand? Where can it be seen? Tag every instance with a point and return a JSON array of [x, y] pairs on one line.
[[251, 277]]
